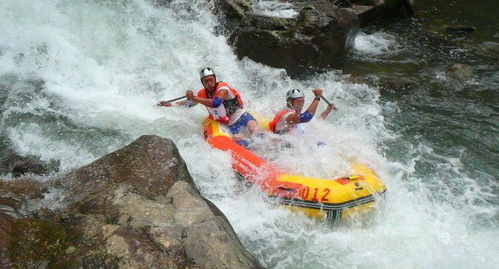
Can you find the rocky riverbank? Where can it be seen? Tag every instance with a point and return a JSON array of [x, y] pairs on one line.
[[317, 38], [134, 208]]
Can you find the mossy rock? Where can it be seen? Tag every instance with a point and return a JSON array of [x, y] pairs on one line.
[[25, 188], [38, 242]]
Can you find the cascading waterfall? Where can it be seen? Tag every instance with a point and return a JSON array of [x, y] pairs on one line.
[[79, 79]]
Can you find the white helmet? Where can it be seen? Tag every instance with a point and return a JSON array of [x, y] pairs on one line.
[[294, 93], [206, 71]]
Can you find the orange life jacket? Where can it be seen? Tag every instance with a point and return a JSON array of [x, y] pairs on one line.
[[277, 118], [229, 106]]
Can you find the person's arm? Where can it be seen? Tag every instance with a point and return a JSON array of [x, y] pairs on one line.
[[326, 112], [306, 116], [209, 102]]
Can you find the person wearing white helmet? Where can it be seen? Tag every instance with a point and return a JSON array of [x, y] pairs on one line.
[[288, 119], [224, 104]]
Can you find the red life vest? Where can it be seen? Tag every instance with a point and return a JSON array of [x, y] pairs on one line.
[[277, 119], [222, 114]]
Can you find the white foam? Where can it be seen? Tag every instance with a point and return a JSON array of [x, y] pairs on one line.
[[275, 8], [378, 44]]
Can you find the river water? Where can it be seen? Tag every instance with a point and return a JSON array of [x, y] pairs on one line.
[[79, 79]]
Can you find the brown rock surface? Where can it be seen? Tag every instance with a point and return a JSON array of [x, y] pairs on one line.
[[134, 208]]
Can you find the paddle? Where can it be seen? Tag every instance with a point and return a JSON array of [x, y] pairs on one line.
[[327, 102], [164, 103]]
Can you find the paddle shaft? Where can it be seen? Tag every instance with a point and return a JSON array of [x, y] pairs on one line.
[[327, 102], [175, 99]]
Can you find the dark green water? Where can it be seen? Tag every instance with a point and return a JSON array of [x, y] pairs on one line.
[[455, 116]]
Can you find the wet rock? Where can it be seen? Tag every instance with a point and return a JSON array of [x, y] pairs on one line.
[[150, 165], [17, 165], [134, 208], [460, 29], [38, 243], [7, 218], [317, 38], [231, 11], [13, 194], [460, 71], [20, 191], [396, 87], [367, 2], [206, 232], [342, 3], [370, 11]]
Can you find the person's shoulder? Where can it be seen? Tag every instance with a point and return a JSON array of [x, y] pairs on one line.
[[201, 92], [283, 113], [225, 88], [223, 85], [289, 111]]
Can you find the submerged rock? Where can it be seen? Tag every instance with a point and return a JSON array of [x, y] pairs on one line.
[[460, 29], [460, 71], [134, 208], [16, 165], [317, 38]]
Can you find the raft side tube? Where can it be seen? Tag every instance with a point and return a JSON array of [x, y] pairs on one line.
[[317, 197]]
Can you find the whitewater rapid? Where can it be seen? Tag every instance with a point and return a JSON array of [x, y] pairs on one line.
[[80, 79]]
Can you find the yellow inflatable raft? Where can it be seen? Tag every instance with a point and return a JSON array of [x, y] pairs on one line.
[[330, 199]]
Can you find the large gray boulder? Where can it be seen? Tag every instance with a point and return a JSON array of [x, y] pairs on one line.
[[134, 208], [370, 11], [317, 38]]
